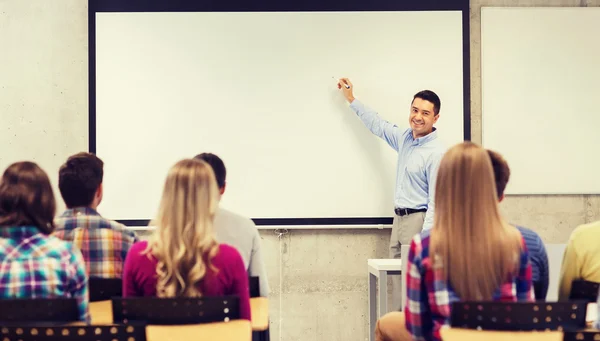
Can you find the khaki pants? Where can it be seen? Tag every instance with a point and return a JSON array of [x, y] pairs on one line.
[[391, 327], [403, 231]]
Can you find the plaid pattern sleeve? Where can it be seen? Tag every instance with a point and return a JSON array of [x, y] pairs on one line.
[[104, 243], [523, 282], [417, 311], [34, 265], [78, 282]]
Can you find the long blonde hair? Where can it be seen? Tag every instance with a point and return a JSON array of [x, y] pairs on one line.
[[476, 249], [183, 242]]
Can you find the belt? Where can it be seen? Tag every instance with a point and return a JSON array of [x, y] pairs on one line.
[[406, 211]]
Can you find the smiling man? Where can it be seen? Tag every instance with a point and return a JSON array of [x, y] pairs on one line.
[[419, 154]]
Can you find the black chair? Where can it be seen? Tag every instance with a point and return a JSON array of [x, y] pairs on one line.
[[103, 289], [254, 284], [519, 316], [176, 311], [584, 290], [581, 336], [43, 310], [44, 332]]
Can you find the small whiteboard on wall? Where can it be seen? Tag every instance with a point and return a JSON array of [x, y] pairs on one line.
[[541, 96]]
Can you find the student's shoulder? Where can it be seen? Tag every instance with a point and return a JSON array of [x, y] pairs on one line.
[[137, 249], [586, 231], [529, 235], [236, 219], [227, 254], [120, 228]]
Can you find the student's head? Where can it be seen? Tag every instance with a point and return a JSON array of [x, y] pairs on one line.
[[218, 167], [424, 112], [26, 197], [477, 248], [183, 242], [501, 172], [80, 180]]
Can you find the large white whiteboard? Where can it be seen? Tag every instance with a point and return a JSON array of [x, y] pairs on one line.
[[540, 91], [257, 89]]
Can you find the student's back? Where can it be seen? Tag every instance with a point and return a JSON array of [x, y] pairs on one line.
[[241, 233], [581, 259], [34, 264], [228, 278], [471, 254], [104, 243], [236, 230], [182, 257]]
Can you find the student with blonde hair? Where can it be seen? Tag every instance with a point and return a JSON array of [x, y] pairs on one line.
[[182, 257], [470, 254]]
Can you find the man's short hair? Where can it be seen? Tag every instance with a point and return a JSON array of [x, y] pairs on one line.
[[432, 97], [217, 165], [501, 171], [79, 179]]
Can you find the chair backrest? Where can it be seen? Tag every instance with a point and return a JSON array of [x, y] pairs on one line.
[[103, 289], [582, 336], [181, 310], [584, 290], [519, 315], [41, 332], [254, 284], [39, 310]]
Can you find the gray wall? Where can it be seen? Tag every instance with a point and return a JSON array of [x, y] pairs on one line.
[[318, 277]]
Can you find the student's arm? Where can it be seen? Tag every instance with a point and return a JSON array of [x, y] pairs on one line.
[[241, 287], [78, 283], [543, 283], [569, 271], [432, 170], [524, 282], [417, 314], [256, 266], [132, 262], [387, 131]]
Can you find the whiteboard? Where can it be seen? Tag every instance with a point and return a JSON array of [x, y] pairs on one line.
[[258, 90], [540, 93]]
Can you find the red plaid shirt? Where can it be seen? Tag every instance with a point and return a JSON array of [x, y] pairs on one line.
[[430, 295]]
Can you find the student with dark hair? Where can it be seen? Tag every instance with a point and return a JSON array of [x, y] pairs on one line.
[[33, 263], [535, 246], [419, 154], [104, 243], [236, 230]]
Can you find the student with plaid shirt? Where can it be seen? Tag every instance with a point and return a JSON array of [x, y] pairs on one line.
[[453, 262], [34, 264], [104, 243]]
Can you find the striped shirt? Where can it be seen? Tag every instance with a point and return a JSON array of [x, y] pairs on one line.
[[539, 262], [104, 243], [430, 295], [35, 265]]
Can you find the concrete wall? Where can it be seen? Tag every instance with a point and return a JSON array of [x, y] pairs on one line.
[[318, 277]]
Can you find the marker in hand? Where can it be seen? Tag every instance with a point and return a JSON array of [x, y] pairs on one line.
[[341, 81]]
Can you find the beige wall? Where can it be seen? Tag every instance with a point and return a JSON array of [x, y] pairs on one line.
[[318, 277]]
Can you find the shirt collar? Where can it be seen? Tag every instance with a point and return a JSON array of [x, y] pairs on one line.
[[19, 232], [75, 211], [425, 139]]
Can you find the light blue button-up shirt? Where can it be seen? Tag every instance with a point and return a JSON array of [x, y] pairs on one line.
[[418, 161]]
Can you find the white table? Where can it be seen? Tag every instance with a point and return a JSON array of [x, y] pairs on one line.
[[379, 269]]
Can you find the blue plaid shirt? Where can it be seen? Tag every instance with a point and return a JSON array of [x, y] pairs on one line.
[[35, 265]]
